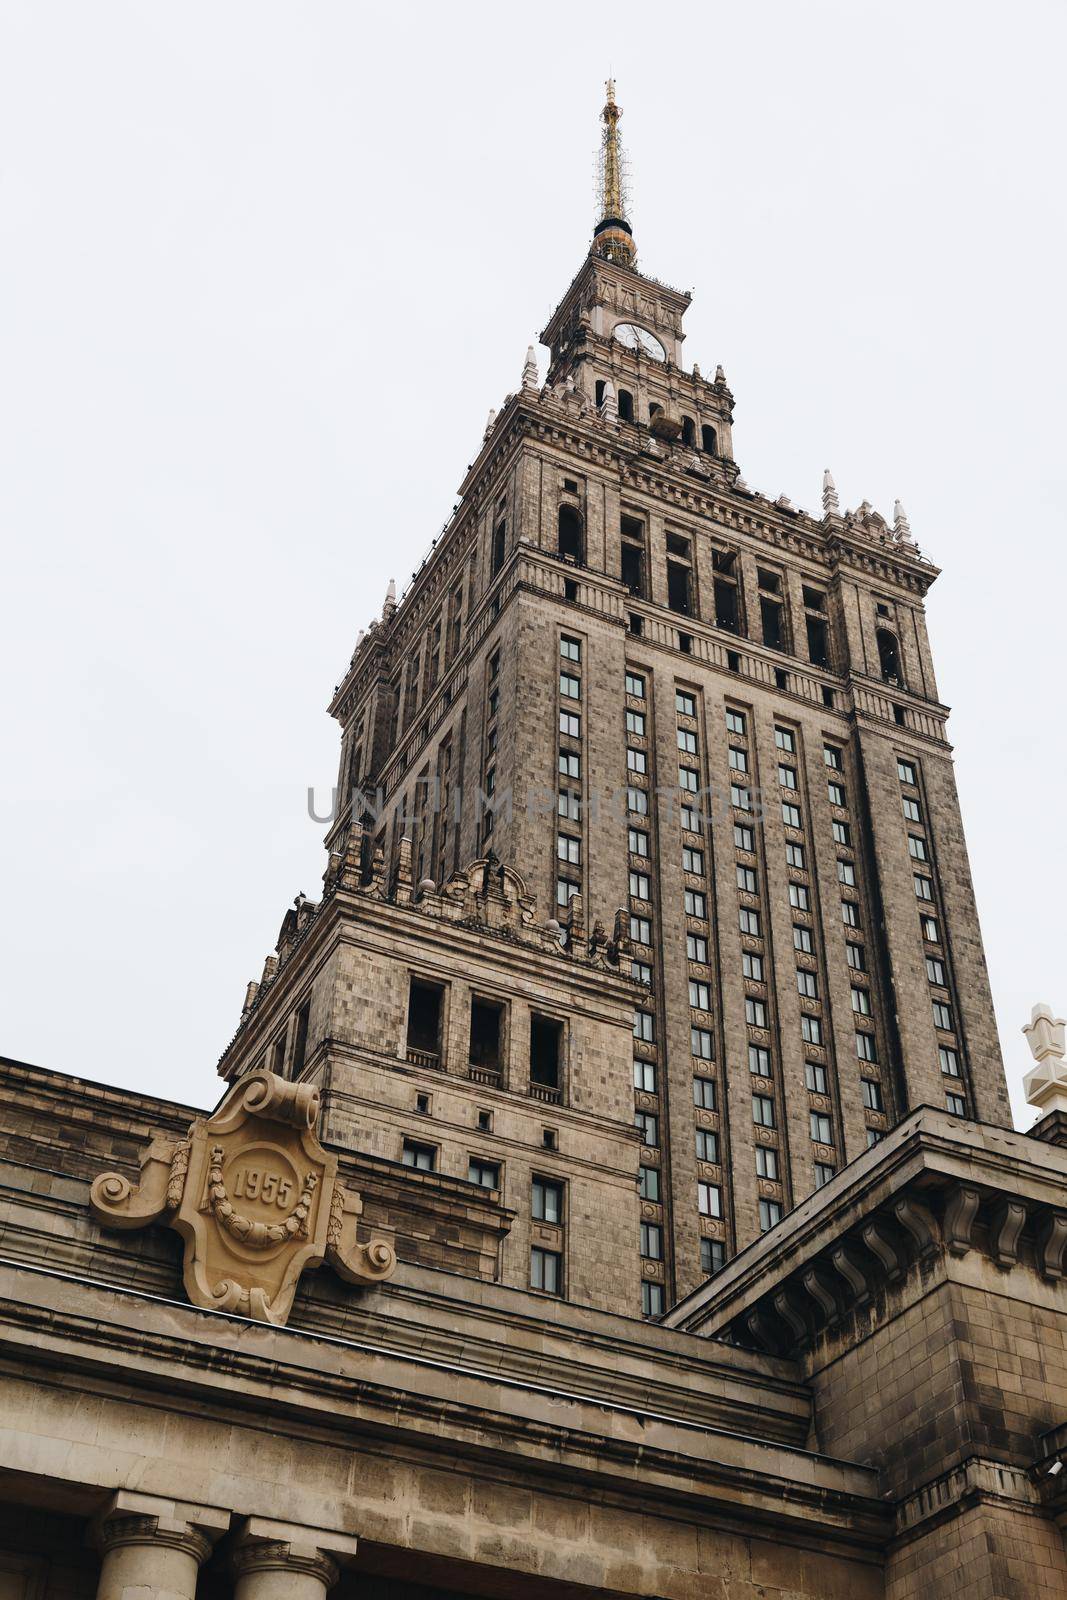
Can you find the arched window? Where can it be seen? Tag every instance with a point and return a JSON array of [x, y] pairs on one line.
[[599, 392], [654, 408], [689, 432], [889, 655], [709, 443], [500, 533], [626, 405], [570, 534]]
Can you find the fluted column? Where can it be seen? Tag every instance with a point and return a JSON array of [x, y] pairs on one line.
[[283, 1561], [154, 1548]]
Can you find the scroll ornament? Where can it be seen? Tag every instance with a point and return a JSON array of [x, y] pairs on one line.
[[256, 1199]]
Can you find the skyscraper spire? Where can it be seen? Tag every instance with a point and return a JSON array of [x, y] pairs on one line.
[[612, 237]]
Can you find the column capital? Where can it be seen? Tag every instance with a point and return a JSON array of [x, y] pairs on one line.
[[264, 1545], [141, 1519]]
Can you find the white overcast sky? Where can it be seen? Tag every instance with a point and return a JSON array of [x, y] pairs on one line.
[[264, 269]]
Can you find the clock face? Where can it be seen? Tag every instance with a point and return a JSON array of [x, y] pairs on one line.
[[635, 338]]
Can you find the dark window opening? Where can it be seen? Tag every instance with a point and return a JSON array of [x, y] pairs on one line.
[[626, 405], [570, 533], [685, 643], [771, 617], [499, 542], [424, 1022], [570, 589], [781, 678], [422, 1104], [888, 655], [654, 409], [689, 432], [487, 1018], [633, 567], [636, 624], [771, 581], [724, 560], [900, 717], [827, 696], [277, 1063], [726, 605], [300, 1042], [814, 599], [678, 545], [709, 440], [600, 385], [546, 1050], [733, 661], [678, 592], [548, 1138], [818, 642]]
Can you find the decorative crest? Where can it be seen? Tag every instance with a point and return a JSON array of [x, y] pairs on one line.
[[254, 1196]]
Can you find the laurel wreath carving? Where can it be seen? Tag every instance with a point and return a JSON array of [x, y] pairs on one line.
[[179, 1166], [257, 1235]]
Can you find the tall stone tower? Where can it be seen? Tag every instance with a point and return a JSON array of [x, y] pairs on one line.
[[699, 731]]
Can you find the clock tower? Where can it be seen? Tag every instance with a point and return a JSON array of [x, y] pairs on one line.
[[617, 334]]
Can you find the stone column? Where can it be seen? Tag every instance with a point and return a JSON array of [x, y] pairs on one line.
[[154, 1547], [281, 1561]]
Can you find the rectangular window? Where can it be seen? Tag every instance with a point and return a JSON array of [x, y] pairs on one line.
[[749, 922], [811, 1030], [484, 1043], [546, 1201], [755, 1012], [917, 847], [570, 724], [696, 947], [874, 1136], [865, 1049], [740, 797], [842, 833], [794, 857], [846, 874], [700, 1042], [759, 1060], [785, 740], [763, 1110], [855, 957], [637, 842], [906, 772], [821, 1127], [647, 1127], [684, 703], [570, 686], [635, 723], [546, 1051], [640, 886], [569, 805], [707, 1145], [696, 904], [872, 1094], [687, 741], [709, 1200], [935, 971], [744, 837], [566, 891], [738, 759], [803, 939], [691, 819], [648, 1183], [850, 914], [746, 879], [861, 1002], [642, 972], [644, 1026], [699, 995], [790, 815], [300, 1038], [807, 984], [912, 811], [815, 1077], [635, 685], [823, 1173], [942, 1015], [735, 722], [787, 777], [930, 930], [704, 1096], [570, 764], [836, 794], [831, 756], [799, 897], [770, 1214], [651, 1241], [637, 801], [712, 1256], [425, 1005], [568, 849], [956, 1104], [752, 966], [924, 888], [484, 1173], [636, 760], [640, 930], [645, 1076], [688, 780], [949, 1061], [692, 860], [546, 1270], [767, 1163], [570, 649], [422, 1156], [652, 1301]]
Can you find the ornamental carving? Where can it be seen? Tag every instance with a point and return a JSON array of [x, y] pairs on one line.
[[254, 1196]]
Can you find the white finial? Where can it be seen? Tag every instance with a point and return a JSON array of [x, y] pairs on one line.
[[830, 503], [1046, 1086], [390, 600], [529, 371], [609, 406], [901, 525], [489, 424]]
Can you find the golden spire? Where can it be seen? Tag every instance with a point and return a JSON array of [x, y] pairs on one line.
[[612, 237]]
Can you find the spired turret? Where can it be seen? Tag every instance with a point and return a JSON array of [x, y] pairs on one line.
[[613, 236]]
